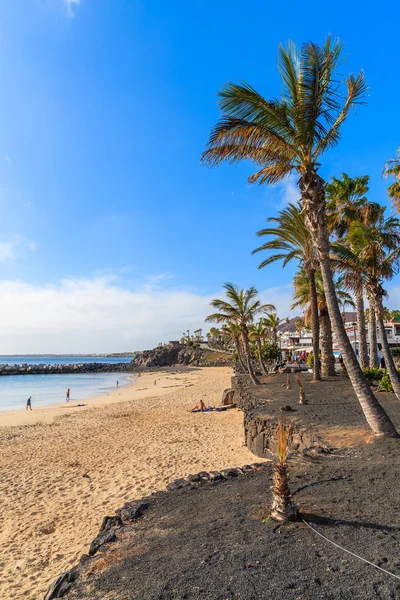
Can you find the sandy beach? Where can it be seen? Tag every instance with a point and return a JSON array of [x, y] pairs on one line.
[[63, 469]]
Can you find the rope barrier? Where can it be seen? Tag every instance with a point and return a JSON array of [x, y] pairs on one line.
[[348, 551]]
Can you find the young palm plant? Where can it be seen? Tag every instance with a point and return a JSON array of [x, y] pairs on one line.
[[289, 135], [243, 307], [291, 240], [283, 509], [374, 251]]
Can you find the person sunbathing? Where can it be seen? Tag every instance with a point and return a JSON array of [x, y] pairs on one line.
[[201, 408]]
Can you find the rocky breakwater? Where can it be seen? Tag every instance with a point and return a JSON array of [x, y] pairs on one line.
[[57, 369]]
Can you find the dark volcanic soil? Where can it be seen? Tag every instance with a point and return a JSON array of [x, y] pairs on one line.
[[214, 542]]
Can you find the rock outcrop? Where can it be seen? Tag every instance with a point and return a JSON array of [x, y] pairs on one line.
[[175, 354]]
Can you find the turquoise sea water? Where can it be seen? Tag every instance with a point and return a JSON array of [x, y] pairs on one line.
[[48, 390]]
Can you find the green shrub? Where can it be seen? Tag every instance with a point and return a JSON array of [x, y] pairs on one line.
[[385, 384], [395, 351], [373, 374], [310, 360], [271, 351]]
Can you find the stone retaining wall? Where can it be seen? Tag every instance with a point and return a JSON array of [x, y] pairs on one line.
[[259, 424]]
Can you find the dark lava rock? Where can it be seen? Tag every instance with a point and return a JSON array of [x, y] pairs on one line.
[[287, 408], [215, 475], [61, 585], [194, 478], [228, 397], [227, 473], [178, 484], [132, 510], [110, 522], [100, 540]]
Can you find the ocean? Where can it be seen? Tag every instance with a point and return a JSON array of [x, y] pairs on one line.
[[48, 390]]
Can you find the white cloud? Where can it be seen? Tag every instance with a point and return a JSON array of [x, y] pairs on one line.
[[13, 246], [283, 193], [95, 315], [8, 161], [71, 4]]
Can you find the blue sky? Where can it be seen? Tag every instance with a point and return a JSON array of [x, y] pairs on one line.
[[106, 106]]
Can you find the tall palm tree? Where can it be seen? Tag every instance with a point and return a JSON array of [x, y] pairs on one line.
[[258, 332], [272, 322], [231, 333], [242, 308], [302, 299], [292, 242], [290, 135], [392, 170], [346, 203], [374, 250]]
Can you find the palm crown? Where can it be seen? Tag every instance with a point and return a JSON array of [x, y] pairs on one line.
[[242, 309], [291, 133], [291, 239]]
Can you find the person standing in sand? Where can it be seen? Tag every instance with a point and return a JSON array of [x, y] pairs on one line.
[[29, 403], [68, 395]]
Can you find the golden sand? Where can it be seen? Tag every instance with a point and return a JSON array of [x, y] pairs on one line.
[[127, 444]]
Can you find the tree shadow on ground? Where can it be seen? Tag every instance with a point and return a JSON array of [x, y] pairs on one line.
[[329, 522]]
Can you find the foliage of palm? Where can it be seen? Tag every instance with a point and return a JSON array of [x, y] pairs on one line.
[[272, 322], [291, 241], [374, 251], [347, 203], [231, 333], [302, 299], [258, 333], [240, 307], [392, 170], [289, 135]]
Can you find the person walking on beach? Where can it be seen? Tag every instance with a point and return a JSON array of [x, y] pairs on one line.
[[29, 403], [68, 395], [117, 382], [155, 382]]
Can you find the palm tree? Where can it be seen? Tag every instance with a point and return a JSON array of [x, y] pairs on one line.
[[258, 332], [231, 333], [241, 309], [302, 299], [346, 203], [272, 322], [292, 241], [289, 135], [374, 251], [392, 170]]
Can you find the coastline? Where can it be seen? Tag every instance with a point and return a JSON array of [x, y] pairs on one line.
[[67, 468], [141, 387]]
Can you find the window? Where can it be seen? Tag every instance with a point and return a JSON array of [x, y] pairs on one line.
[[388, 332]]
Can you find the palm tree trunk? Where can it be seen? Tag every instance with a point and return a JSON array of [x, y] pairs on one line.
[[245, 341], [362, 332], [313, 199], [314, 325], [262, 363], [327, 357], [373, 342], [239, 353], [391, 367]]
